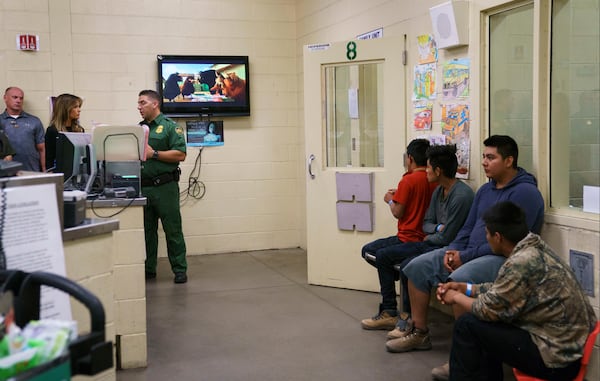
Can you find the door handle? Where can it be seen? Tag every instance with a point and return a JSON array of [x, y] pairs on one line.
[[309, 164]]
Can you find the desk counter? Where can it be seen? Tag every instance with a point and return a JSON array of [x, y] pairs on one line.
[[106, 254]]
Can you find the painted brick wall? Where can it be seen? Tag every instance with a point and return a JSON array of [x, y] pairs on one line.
[[105, 52]]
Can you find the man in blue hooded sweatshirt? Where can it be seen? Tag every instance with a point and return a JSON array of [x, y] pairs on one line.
[[469, 257]]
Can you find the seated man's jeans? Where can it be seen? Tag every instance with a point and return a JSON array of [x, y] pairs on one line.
[[479, 348], [387, 253], [427, 270]]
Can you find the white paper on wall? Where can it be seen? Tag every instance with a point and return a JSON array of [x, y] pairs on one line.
[[353, 103], [32, 241], [591, 199]]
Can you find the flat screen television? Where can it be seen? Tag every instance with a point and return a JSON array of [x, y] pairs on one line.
[[192, 86]]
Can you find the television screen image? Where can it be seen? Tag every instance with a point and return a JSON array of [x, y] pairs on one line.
[[204, 85], [204, 133]]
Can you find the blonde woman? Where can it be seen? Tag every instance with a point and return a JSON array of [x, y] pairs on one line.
[[65, 118]]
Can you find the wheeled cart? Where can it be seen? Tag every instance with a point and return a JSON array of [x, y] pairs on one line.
[[89, 354]]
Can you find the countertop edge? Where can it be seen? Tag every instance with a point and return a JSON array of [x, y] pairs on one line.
[[90, 227]]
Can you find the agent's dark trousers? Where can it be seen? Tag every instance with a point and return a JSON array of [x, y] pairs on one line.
[[479, 348], [389, 252], [163, 203]]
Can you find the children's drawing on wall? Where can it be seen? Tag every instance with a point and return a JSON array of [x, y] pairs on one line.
[[434, 139], [424, 83], [437, 139], [204, 133], [463, 156], [455, 78], [427, 49], [455, 126], [422, 115], [455, 121]]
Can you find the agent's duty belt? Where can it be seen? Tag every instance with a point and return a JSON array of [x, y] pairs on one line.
[[162, 179]]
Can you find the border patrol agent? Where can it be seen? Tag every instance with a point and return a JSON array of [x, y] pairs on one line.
[[160, 176]]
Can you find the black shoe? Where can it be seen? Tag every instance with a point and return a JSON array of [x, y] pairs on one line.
[[150, 275], [180, 278]]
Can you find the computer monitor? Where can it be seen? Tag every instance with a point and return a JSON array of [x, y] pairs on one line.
[[75, 159], [119, 151], [119, 143]]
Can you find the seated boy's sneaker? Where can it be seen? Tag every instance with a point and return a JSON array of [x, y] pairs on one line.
[[416, 340], [384, 320], [403, 327], [441, 373]]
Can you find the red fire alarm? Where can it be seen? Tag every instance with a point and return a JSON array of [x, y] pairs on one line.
[[28, 42]]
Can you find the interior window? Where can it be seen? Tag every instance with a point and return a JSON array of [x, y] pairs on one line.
[[575, 103], [511, 72]]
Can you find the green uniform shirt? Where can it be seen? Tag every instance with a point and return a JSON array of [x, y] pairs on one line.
[[165, 135]]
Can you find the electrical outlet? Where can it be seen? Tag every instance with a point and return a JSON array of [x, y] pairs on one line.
[[582, 265]]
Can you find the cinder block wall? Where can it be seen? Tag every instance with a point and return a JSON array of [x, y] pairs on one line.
[[90, 262], [105, 52], [327, 21]]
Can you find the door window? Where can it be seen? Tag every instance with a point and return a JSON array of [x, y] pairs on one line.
[[353, 115]]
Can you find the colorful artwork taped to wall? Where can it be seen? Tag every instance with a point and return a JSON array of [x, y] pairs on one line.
[[422, 117], [455, 121], [427, 49], [424, 82], [455, 78]]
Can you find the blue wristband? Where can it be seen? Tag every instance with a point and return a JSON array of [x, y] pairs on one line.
[[469, 291]]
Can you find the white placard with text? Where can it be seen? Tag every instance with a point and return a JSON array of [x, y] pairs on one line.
[[32, 241]]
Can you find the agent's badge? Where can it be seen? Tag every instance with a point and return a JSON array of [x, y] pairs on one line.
[[159, 129]]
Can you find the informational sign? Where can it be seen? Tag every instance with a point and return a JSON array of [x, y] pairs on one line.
[[204, 133], [317, 47], [32, 241], [377, 33], [353, 103], [591, 199], [28, 42], [582, 265]]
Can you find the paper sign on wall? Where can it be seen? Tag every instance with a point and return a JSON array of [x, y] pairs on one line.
[[377, 33], [32, 241], [353, 103]]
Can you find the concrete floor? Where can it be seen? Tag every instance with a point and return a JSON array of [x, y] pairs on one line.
[[252, 316]]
